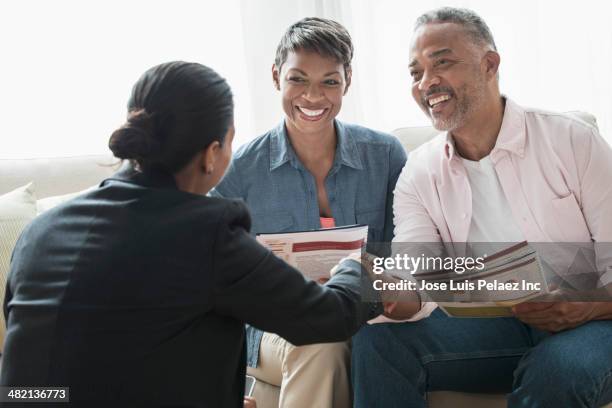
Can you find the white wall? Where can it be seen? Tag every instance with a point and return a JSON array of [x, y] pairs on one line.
[[67, 66]]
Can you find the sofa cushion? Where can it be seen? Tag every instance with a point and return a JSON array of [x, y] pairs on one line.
[[47, 203], [57, 175], [17, 209], [19, 203]]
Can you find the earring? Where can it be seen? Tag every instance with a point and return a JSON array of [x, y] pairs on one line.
[[209, 169]]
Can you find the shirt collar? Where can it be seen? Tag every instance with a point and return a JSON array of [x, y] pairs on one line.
[[282, 152], [152, 178], [449, 147], [511, 136]]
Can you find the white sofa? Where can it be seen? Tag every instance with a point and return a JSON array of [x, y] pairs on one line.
[[56, 176], [55, 179]]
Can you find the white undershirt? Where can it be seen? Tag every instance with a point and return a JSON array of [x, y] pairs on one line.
[[492, 219], [493, 227]]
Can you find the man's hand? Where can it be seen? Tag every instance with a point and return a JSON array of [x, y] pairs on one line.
[[249, 402], [401, 310], [399, 304], [555, 316]]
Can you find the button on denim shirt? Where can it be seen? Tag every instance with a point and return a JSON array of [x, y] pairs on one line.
[[282, 196]]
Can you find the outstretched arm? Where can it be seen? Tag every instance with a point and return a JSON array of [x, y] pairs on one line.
[[255, 286]]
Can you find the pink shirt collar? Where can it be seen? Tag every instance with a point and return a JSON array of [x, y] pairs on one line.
[[511, 137]]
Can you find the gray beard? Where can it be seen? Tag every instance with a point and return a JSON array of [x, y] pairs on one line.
[[465, 107]]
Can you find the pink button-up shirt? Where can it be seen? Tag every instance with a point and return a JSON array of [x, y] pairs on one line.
[[555, 170]]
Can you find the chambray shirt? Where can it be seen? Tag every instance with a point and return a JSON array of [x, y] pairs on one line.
[[281, 193]]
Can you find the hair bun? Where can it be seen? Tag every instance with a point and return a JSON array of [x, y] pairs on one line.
[[176, 110], [136, 139]]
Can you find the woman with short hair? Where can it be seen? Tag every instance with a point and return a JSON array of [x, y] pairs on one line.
[[313, 171]]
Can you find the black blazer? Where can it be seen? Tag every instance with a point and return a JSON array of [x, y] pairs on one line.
[[137, 294]]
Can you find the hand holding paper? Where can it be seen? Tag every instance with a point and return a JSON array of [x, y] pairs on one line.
[[314, 252]]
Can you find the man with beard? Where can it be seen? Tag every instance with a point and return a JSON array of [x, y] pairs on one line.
[[499, 173]]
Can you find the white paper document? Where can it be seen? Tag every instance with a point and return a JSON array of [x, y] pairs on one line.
[[314, 253]]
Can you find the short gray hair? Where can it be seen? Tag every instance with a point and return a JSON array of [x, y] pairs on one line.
[[475, 26], [325, 37]]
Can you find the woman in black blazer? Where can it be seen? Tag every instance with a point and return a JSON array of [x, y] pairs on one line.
[[136, 293]]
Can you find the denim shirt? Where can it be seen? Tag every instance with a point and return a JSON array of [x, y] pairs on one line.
[[282, 196]]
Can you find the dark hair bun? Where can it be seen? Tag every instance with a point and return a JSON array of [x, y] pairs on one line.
[[176, 109], [136, 139]]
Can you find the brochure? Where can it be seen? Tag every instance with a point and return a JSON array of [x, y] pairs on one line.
[[509, 277], [315, 252]]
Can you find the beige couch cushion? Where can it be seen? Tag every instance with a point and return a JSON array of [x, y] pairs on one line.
[[47, 203], [58, 175], [19, 203], [17, 209], [414, 136]]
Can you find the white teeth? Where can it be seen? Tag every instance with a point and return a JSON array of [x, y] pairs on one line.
[[439, 99], [309, 112]]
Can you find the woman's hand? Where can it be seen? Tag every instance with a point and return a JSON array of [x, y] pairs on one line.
[[397, 305], [365, 259]]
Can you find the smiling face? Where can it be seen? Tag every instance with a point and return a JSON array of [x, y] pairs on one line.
[[449, 79], [312, 87]]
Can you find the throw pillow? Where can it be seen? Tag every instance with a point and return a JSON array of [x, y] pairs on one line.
[[47, 203], [17, 209]]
